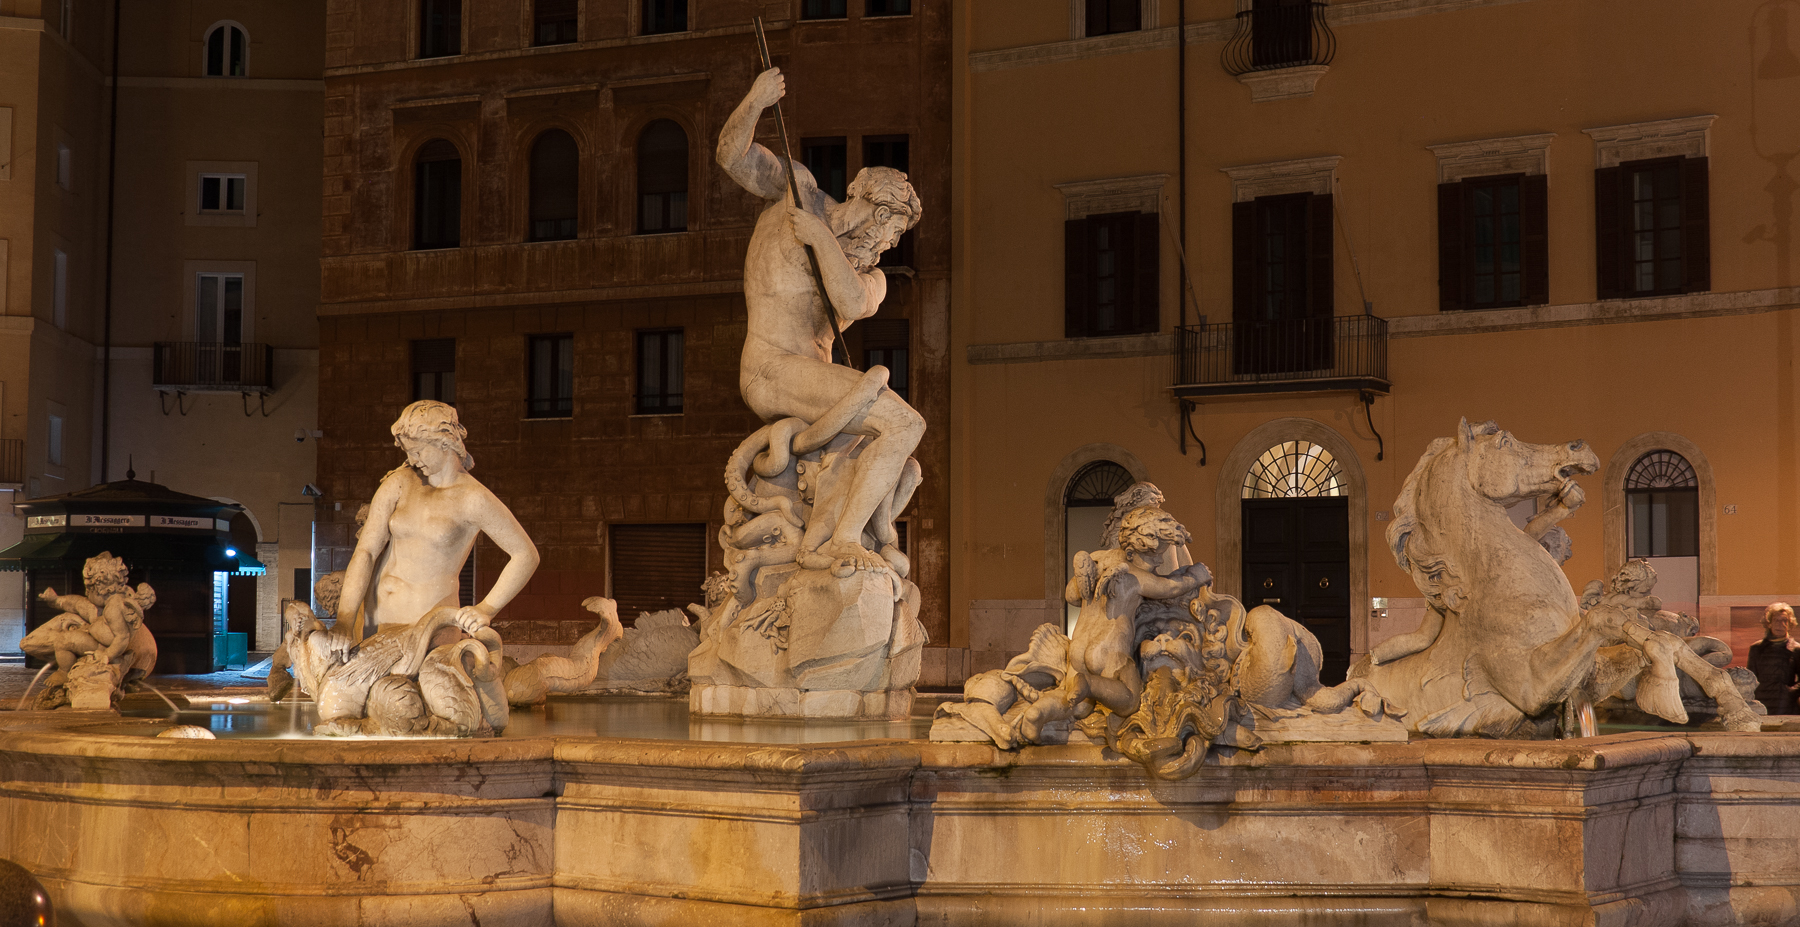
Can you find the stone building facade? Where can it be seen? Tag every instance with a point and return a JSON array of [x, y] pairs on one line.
[[585, 240]]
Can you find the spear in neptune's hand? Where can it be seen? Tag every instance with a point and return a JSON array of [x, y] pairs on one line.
[[787, 164]]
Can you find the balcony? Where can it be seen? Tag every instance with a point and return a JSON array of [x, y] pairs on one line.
[[213, 367], [1281, 49], [1346, 353]]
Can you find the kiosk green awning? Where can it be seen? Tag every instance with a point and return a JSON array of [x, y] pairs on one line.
[[144, 551]]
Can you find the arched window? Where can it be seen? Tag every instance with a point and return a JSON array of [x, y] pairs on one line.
[[226, 46], [662, 176], [1294, 470], [1086, 504], [437, 196], [555, 162], [1662, 505]]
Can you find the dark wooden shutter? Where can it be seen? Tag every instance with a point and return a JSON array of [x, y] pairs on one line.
[[1609, 234], [1534, 237], [1320, 282], [656, 567], [1243, 261], [1147, 270], [1077, 289], [1696, 228], [1451, 273]]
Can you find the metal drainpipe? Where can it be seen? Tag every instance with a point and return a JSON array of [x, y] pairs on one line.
[[112, 178], [1181, 167]]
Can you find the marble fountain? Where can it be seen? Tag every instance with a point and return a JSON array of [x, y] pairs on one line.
[[1176, 761]]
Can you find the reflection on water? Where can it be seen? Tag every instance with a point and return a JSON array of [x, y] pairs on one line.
[[637, 717]]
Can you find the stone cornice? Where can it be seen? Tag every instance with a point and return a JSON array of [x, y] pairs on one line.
[[1158, 344], [1084, 198], [1271, 178], [1663, 138], [1605, 312], [1520, 154]]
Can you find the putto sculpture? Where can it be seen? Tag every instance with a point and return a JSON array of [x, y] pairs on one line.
[[1161, 668], [443, 670], [816, 616], [98, 646], [1505, 649]]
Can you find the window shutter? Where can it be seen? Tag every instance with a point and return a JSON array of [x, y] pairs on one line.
[[1320, 282], [1609, 234], [1534, 237], [1243, 261], [1696, 227], [1450, 247], [1077, 290], [1147, 266], [657, 567]]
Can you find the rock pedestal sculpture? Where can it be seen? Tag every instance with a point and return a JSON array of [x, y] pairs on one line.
[[431, 667], [1161, 668], [816, 616], [98, 647]]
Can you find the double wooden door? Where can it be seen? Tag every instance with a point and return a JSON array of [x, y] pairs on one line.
[[1297, 559]]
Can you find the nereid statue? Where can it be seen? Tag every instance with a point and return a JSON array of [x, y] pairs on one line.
[[1161, 668], [99, 646], [815, 616], [443, 670]]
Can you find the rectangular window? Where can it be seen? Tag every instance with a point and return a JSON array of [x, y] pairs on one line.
[[437, 204], [1493, 242], [893, 151], [1652, 229], [1281, 33], [434, 370], [662, 16], [59, 290], [826, 159], [1281, 281], [888, 342], [888, 8], [554, 22], [823, 9], [54, 444], [659, 359], [222, 192], [550, 377], [65, 167], [440, 28], [1111, 274], [303, 584], [656, 567], [1106, 17]]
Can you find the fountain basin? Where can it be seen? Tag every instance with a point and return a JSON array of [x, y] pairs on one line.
[[1643, 828]]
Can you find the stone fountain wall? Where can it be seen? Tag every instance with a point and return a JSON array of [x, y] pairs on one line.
[[1639, 829]]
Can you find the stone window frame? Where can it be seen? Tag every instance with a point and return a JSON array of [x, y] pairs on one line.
[[1517, 154], [1149, 20], [1273, 178], [1612, 503], [244, 218], [1686, 136], [1141, 194]]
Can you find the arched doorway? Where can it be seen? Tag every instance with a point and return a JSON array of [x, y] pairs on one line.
[[1662, 525], [1295, 511], [1086, 505]]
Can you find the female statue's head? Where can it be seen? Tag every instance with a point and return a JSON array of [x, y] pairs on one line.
[[433, 423]]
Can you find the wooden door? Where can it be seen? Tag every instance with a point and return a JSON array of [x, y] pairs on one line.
[[1297, 559]]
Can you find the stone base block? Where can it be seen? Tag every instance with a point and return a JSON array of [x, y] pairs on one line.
[[834, 704]]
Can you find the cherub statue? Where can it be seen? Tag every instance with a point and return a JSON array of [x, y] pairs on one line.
[[99, 642]]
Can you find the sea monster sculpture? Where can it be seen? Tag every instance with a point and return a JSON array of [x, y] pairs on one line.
[[98, 646], [444, 671], [1505, 649], [1161, 667]]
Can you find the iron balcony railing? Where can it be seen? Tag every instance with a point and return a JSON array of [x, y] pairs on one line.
[[207, 366], [1279, 34], [1346, 352], [12, 460]]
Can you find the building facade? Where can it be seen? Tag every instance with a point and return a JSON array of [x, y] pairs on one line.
[[1263, 253], [523, 217], [159, 229]]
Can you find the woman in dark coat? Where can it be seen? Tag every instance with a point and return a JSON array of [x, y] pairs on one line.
[[1776, 660]]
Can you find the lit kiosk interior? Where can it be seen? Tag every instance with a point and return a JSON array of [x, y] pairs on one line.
[[180, 544]]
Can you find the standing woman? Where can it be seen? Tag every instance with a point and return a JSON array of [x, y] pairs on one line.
[[1776, 660]]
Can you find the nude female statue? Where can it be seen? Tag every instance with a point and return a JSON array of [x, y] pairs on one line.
[[422, 526]]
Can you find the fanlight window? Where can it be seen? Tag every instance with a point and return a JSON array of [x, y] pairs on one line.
[[1097, 484], [1292, 470], [1661, 470]]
